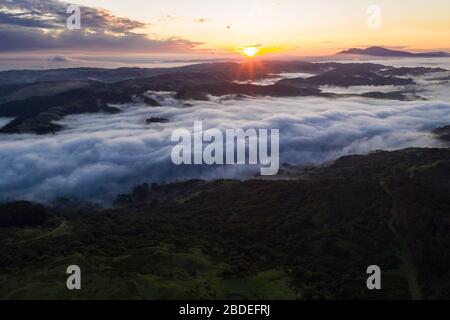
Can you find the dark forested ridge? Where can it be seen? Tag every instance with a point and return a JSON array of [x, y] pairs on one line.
[[36, 100], [309, 237]]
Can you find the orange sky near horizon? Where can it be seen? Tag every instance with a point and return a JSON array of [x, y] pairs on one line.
[[219, 29], [294, 27]]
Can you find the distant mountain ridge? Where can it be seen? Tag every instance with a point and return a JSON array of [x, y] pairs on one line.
[[37, 99], [384, 52]]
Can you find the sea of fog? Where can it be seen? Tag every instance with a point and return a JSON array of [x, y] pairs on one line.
[[99, 156]]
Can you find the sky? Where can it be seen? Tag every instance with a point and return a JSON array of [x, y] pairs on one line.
[[217, 28]]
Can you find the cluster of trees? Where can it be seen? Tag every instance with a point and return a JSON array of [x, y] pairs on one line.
[[22, 213], [321, 233]]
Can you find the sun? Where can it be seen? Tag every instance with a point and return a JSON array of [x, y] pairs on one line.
[[250, 52]]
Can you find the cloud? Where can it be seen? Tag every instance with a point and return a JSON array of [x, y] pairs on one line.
[[59, 59], [166, 18], [100, 155], [23, 20], [50, 14], [21, 39], [201, 20], [31, 25], [255, 45]]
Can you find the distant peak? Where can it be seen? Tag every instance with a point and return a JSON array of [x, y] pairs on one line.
[[385, 52]]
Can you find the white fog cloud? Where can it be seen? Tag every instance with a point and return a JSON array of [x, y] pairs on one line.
[[99, 156]]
